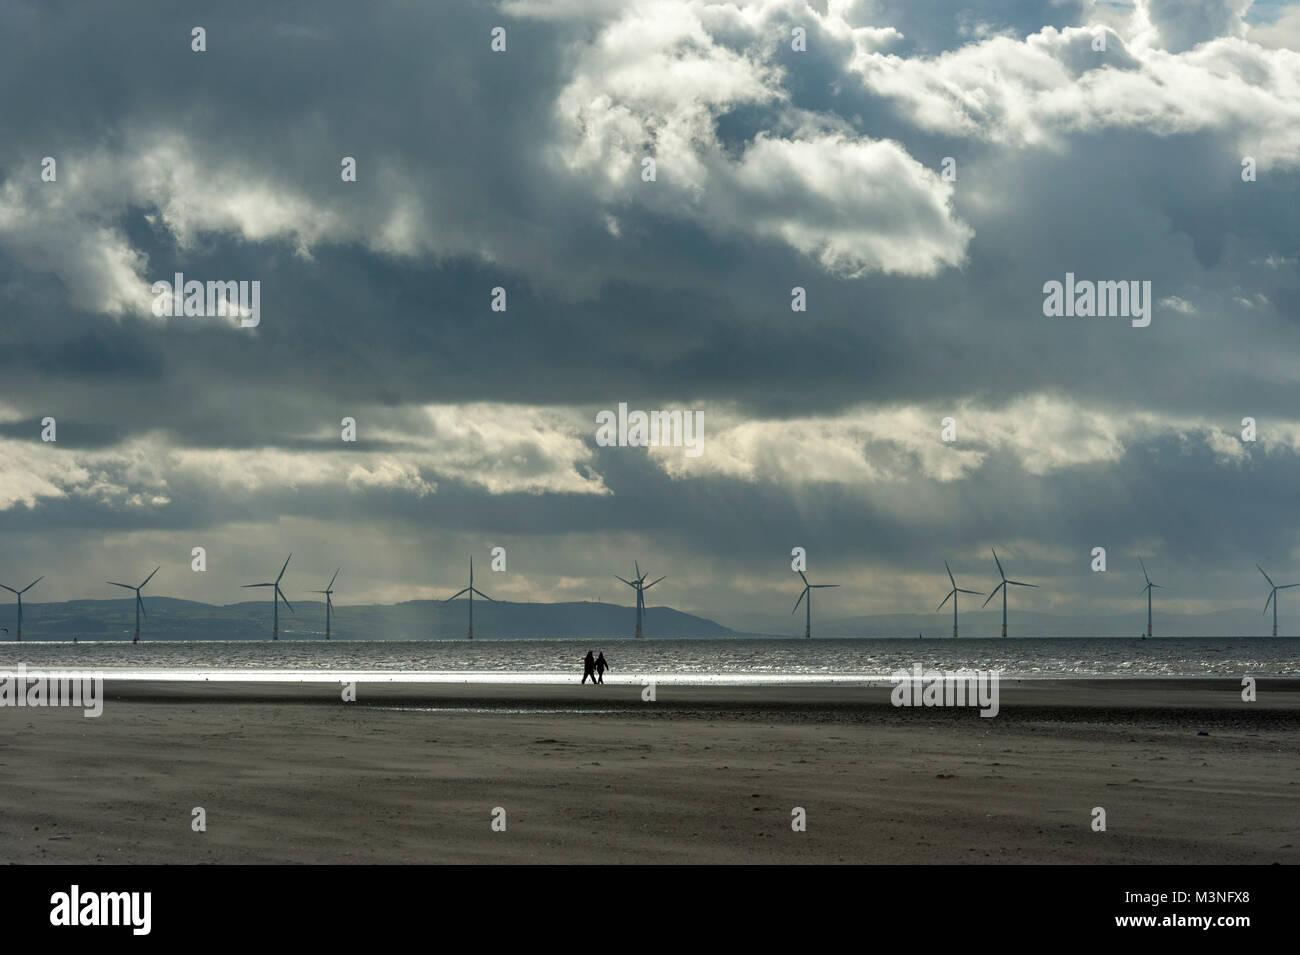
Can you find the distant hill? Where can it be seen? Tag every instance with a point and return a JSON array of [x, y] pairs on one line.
[[172, 619]]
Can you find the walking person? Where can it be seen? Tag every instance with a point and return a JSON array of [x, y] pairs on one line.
[[589, 668], [601, 666]]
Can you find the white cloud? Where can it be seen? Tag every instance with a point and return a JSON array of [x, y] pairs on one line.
[[499, 448], [68, 227], [1040, 434], [1180, 305], [655, 82], [1034, 92], [505, 449]]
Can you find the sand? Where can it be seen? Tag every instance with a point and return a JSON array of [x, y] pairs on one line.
[[703, 774]]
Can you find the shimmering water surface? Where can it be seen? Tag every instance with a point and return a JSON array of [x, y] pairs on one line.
[[737, 661]]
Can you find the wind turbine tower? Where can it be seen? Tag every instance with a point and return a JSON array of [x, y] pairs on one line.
[[1272, 598], [807, 592], [139, 604], [42, 577], [953, 594], [276, 598], [638, 584], [329, 604], [1147, 590], [471, 590], [1003, 587]]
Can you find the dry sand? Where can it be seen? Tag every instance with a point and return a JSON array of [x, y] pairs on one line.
[[703, 774]]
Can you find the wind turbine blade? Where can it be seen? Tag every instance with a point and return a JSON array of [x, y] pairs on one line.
[[638, 568], [32, 584], [330, 585], [458, 593], [481, 594], [285, 599], [800, 600], [1288, 586], [116, 584], [140, 604], [1144, 570], [1270, 599], [648, 586], [628, 582], [805, 579], [150, 577], [8, 588], [994, 593], [1020, 583], [253, 585], [1144, 590], [945, 600], [999, 563], [822, 586], [1266, 576], [282, 569], [973, 593], [1162, 586], [950, 578]]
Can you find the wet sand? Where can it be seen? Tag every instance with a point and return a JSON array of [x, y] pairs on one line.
[[413, 773]]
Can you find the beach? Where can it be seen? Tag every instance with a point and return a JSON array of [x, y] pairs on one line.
[[290, 773]]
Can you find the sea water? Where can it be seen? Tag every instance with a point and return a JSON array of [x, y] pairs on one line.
[[679, 661]]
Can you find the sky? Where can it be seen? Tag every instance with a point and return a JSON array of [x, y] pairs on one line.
[[920, 169]]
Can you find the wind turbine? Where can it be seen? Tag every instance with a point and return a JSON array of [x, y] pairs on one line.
[[329, 604], [1272, 598], [277, 597], [471, 590], [33, 584], [953, 594], [1003, 587], [139, 604], [807, 592], [638, 584], [1147, 590]]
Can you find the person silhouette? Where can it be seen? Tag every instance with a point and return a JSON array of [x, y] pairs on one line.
[[589, 668], [601, 666]]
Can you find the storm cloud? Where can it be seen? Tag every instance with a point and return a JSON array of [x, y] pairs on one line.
[[920, 171]]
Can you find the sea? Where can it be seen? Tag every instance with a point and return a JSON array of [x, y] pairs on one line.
[[866, 661]]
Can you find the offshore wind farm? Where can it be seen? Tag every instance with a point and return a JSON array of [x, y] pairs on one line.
[[531, 641], [174, 619]]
